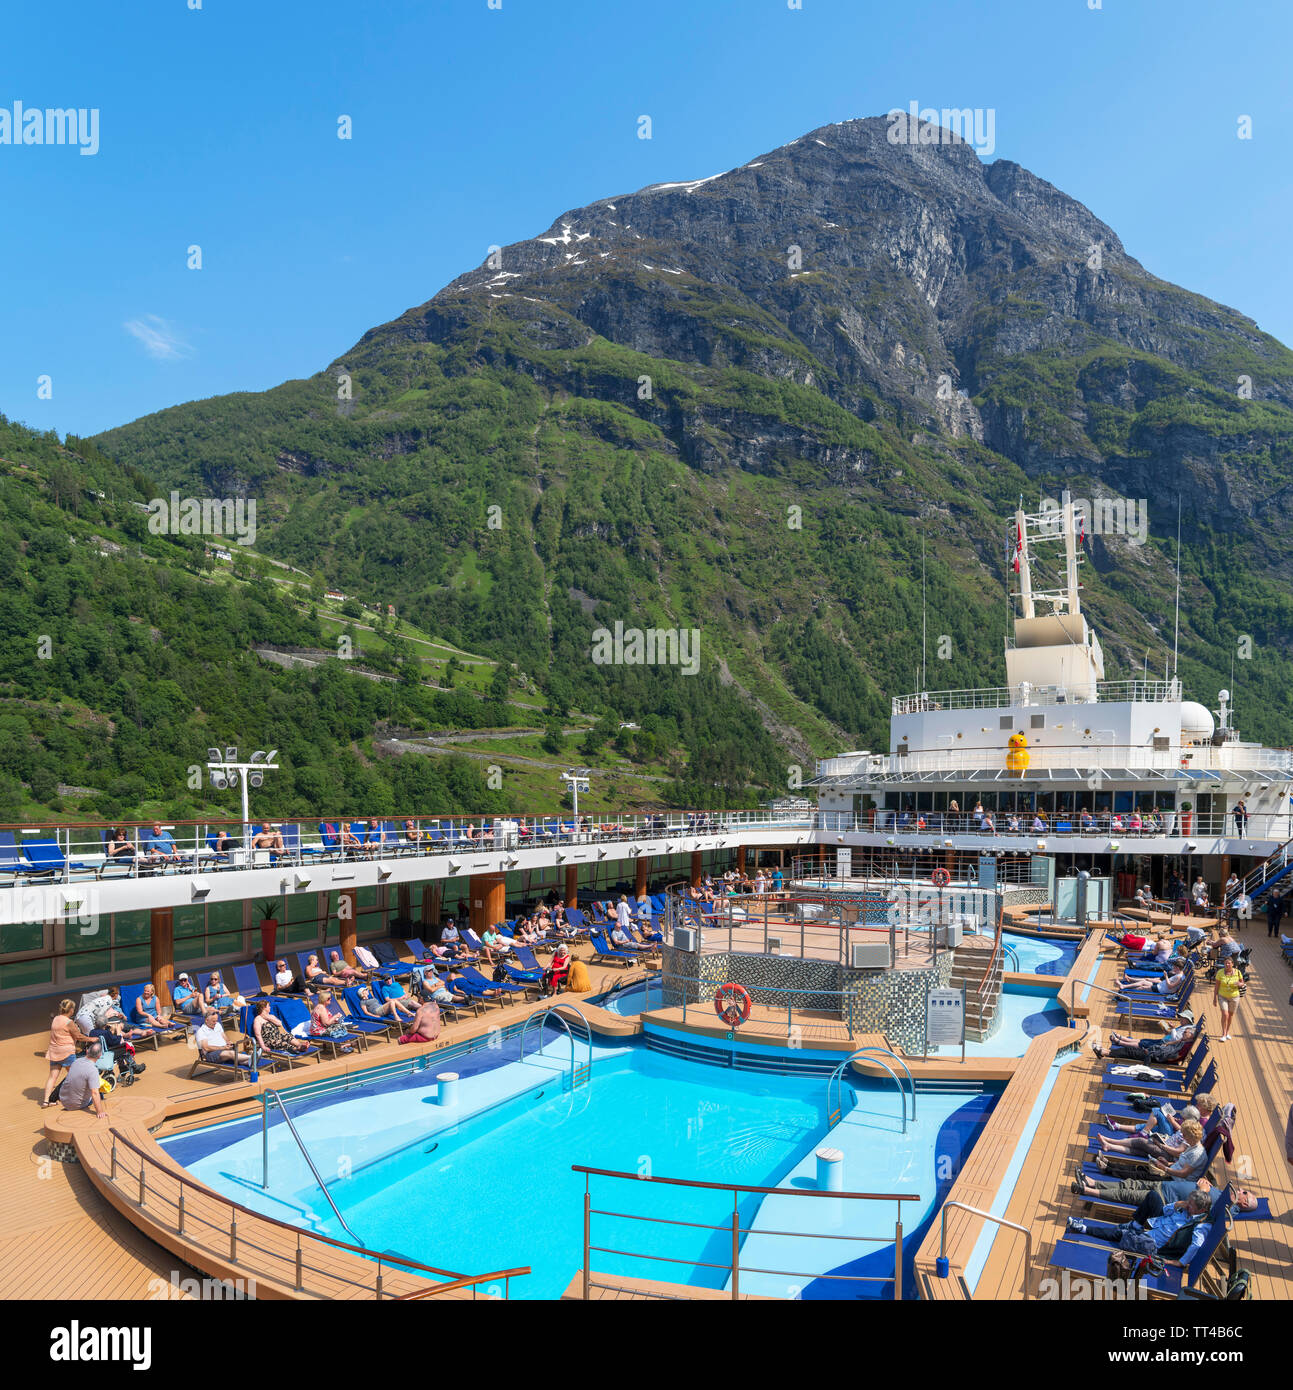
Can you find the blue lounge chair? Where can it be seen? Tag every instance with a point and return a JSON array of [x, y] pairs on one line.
[[271, 1057], [604, 951], [216, 858], [527, 970], [14, 861], [45, 856], [1205, 1080], [473, 983], [295, 847], [390, 965], [363, 1028], [293, 1012], [353, 1006], [130, 995], [247, 978]]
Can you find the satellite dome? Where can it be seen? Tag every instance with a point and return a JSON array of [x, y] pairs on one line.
[[1197, 724]]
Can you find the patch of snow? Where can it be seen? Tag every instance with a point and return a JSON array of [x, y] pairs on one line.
[[754, 166], [563, 239], [644, 266], [832, 224], [822, 143], [612, 207], [578, 261], [582, 236], [688, 184], [667, 271]]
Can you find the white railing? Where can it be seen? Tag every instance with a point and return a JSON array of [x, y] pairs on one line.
[[907, 826], [1086, 758], [1002, 696]]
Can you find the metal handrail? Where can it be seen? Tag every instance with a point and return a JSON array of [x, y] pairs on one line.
[[554, 1010], [237, 1207], [987, 1216], [838, 1076], [305, 1154], [735, 1227]]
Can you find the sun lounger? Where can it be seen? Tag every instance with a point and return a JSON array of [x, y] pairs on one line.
[[473, 983], [271, 1057], [604, 951], [362, 1027], [293, 1012], [176, 1028]]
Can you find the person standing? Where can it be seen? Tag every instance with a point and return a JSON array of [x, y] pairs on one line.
[[1227, 985], [1274, 912], [64, 1036], [1241, 816]]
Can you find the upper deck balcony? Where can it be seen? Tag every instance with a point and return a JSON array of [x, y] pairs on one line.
[[1005, 696]]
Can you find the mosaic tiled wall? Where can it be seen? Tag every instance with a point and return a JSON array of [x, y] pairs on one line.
[[1021, 896], [891, 1002]]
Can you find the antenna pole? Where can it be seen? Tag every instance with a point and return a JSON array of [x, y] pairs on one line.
[[1176, 631]]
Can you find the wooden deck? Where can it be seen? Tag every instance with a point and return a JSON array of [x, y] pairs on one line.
[[64, 1235], [1256, 1074]]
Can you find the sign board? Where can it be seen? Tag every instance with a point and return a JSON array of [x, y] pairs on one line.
[[987, 871], [945, 1017], [844, 863]]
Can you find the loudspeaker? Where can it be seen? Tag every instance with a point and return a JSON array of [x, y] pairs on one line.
[[870, 955]]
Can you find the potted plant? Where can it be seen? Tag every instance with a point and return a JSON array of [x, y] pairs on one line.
[[268, 926], [1187, 817]]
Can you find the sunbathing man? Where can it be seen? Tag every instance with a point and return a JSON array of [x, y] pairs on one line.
[[212, 1043], [400, 1008], [268, 838], [425, 1026], [160, 846], [316, 975], [1157, 1218], [341, 973], [1175, 1190]]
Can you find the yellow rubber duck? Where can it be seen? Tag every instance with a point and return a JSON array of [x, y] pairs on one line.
[[1017, 757]]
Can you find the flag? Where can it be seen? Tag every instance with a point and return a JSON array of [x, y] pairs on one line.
[[1081, 529], [1019, 545]]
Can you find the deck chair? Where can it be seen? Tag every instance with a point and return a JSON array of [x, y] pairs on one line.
[[1204, 1080], [604, 951], [294, 847], [14, 861], [216, 857], [271, 1058], [363, 1028], [353, 1007], [130, 995], [527, 970], [472, 983], [293, 1013], [45, 856], [391, 965], [247, 978], [241, 1071]]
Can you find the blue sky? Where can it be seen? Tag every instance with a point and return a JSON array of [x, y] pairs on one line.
[[473, 126]]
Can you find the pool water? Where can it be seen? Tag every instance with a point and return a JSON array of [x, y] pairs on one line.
[[495, 1189], [633, 999], [1039, 957]]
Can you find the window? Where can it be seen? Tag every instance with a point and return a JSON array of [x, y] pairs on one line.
[[1038, 721], [1007, 721]]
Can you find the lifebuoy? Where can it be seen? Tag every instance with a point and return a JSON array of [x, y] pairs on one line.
[[940, 878], [732, 1003]]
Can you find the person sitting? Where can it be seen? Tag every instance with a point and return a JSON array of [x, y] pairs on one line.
[[341, 974], [1134, 822], [213, 1045], [1155, 1218], [270, 1033], [80, 1088], [425, 1027], [558, 971], [1145, 897], [349, 840], [159, 846], [216, 995], [185, 996], [1165, 1120], [223, 844], [988, 824], [438, 991], [620, 938], [118, 844], [1012, 824], [1165, 1051], [523, 934], [1142, 1141], [268, 838], [147, 1015], [121, 1052], [398, 1009], [1195, 936], [1242, 910], [327, 1022], [1186, 1158], [1086, 821], [284, 981], [315, 975], [412, 835], [467, 834], [1039, 824], [1115, 821], [1199, 896]]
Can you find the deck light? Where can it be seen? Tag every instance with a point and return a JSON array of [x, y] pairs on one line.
[[302, 881], [199, 890], [1113, 846], [1190, 847]]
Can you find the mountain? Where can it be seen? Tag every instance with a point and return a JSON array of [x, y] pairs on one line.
[[743, 405]]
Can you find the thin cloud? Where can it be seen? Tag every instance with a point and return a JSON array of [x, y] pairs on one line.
[[159, 338]]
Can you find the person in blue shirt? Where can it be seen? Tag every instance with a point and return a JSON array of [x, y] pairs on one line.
[[159, 846], [185, 996], [1160, 1220], [777, 881]]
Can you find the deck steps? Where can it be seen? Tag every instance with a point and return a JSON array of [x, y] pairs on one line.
[[970, 969]]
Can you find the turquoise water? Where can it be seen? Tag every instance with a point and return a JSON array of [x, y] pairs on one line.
[[1036, 956], [632, 999], [495, 1190]]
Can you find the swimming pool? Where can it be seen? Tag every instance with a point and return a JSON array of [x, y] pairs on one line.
[[1036, 956], [489, 1185], [632, 999]]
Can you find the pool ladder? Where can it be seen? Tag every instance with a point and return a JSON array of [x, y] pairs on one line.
[[837, 1077], [580, 1072]]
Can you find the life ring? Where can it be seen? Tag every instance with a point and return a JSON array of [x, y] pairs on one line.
[[732, 1003], [940, 878]]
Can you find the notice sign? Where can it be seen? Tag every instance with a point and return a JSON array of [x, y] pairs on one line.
[[945, 1017]]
